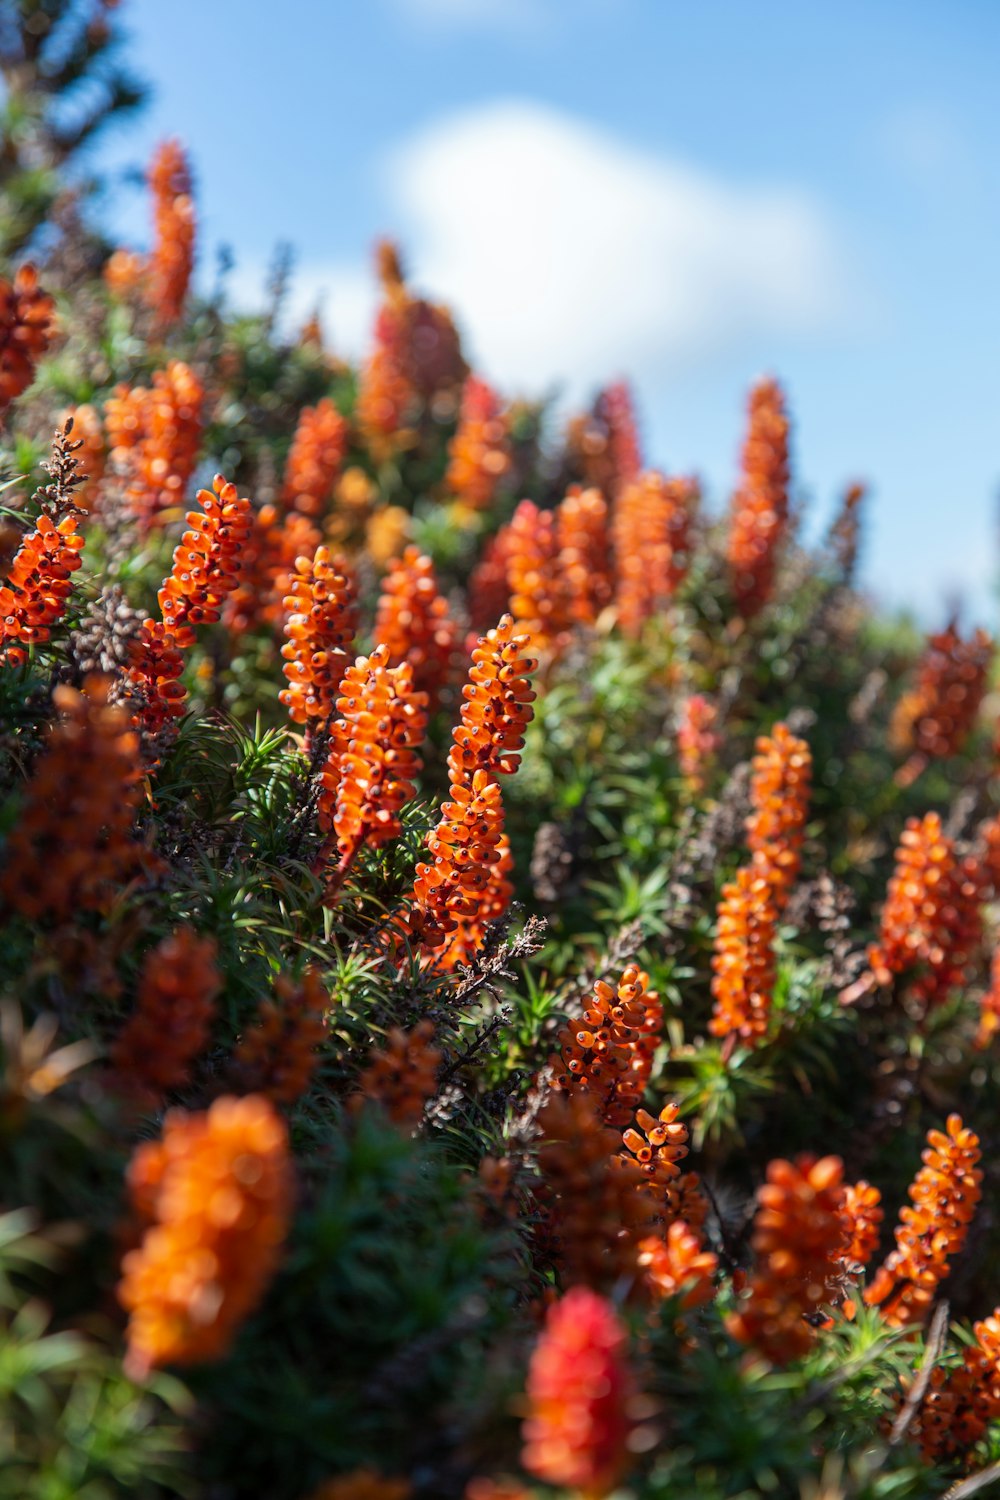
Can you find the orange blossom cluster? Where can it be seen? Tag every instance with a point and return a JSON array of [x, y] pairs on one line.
[[759, 512], [172, 258], [779, 802], [651, 531], [602, 1052], [38, 585], [934, 719], [277, 1056], [415, 625], [315, 459], [175, 1007], [479, 453], [27, 322], [402, 1075], [319, 630], [698, 741], [743, 960], [154, 435]]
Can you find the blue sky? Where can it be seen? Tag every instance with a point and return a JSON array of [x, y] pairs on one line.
[[689, 194]]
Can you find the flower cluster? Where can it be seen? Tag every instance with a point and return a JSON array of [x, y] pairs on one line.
[[488, 593], [962, 1401], [175, 1007], [602, 446], [469, 932], [414, 623], [479, 452], [372, 761], [600, 1202], [798, 1244], [935, 719], [580, 1392], [496, 707], [989, 1006], [862, 1215], [38, 586], [319, 630], [651, 530], [268, 569], [27, 321], [601, 1053], [677, 1264], [930, 925], [743, 960], [90, 452], [216, 1191], [402, 1075], [172, 258], [584, 548], [154, 435], [315, 459], [759, 513], [72, 849], [698, 741], [205, 571], [277, 1056], [779, 800], [538, 599], [932, 1228]]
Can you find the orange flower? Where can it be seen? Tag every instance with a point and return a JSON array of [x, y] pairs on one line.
[[743, 960], [779, 800], [218, 1188], [154, 436], [319, 630], [71, 849], [38, 586], [413, 622], [205, 570], [315, 459], [27, 323], [759, 512], [932, 1230], [363, 1484], [935, 719], [651, 530], [798, 1243], [844, 535], [402, 1075], [584, 552], [931, 922], [677, 1264], [657, 1146], [497, 706], [172, 1020], [480, 451], [601, 1053], [602, 446], [125, 273], [538, 596], [495, 897], [600, 1203], [172, 260], [862, 1215], [579, 1395], [373, 761], [277, 1056], [463, 849], [698, 743], [961, 1402]]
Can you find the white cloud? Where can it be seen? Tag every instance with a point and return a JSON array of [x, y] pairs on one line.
[[568, 255]]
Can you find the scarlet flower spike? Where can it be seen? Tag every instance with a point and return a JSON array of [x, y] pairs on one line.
[[218, 1190], [172, 259], [798, 1242], [934, 720], [932, 1228], [170, 1026], [931, 923], [402, 1075], [415, 625], [759, 513], [27, 323], [539, 598], [651, 528], [38, 586], [278, 1055], [480, 450], [584, 551], [497, 705], [205, 571], [579, 1397], [372, 762], [600, 1203], [72, 848], [698, 742], [154, 436], [319, 631], [603, 1054], [315, 459], [779, 800], [469, 933], [862, 1215], [743, 961]]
